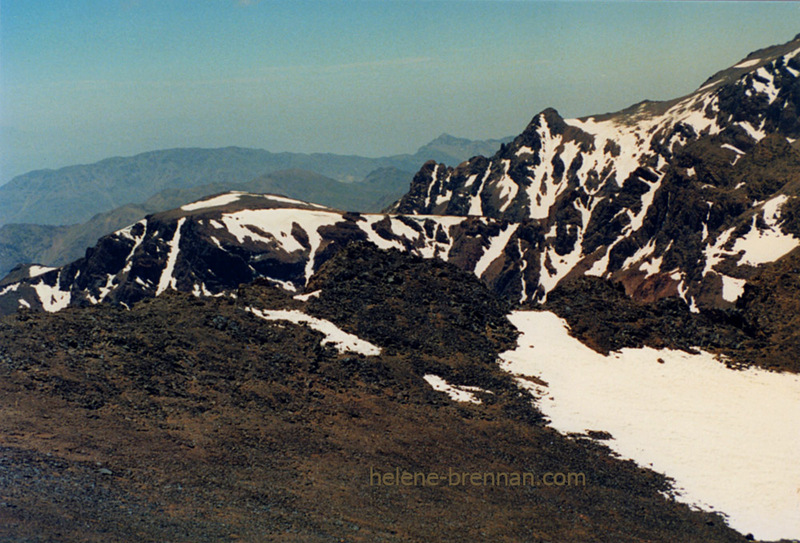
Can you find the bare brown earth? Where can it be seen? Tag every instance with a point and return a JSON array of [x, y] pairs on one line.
[[190, 419]]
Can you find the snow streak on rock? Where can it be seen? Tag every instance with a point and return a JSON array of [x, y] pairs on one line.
[[455, 392], [343, 341]]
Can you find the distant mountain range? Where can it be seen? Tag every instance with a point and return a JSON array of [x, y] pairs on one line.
[[76, 193], [106, 196]]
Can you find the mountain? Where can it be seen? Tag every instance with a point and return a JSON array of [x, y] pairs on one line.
[[450, 149], [692, 198], [114, 193], [58, 245], [268, 417], [212, 246], [684, 198], [76, 193], [696, 198]]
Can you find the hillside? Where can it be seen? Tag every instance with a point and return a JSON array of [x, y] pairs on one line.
[[59, 245], [198, 419]]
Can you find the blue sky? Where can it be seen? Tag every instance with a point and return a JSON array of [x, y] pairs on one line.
[[82, 80]]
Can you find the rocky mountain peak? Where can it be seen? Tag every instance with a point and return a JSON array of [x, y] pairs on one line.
[[678, 194]]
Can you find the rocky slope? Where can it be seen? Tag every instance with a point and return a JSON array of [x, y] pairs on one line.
[[228, 418], [212, 246], [683, 198]]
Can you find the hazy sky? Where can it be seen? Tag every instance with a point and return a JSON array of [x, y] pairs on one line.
[[82, 80]]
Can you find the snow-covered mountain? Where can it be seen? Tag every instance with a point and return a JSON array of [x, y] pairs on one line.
[[684, 198], [212, 246]]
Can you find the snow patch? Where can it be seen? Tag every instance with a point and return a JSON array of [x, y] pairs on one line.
[[434, 173], [709, 85], [52, 298], [10, 288], [276, 228], [757, 135], [221, 200], [200, 290], [732, 148], [600, 266], [306, 297], [762, 246], [495, 249], [732, 288], [715, 253], [748, 63], [36, 271], [506, 187], [772, 209], [728, 438], [767, 88], [284, 199], [475, 204], [456, 392], [788, 56], [285, 285], [640, 255], [343, 341]]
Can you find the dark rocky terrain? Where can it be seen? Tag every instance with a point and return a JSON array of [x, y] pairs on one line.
[[190, 418], [761, 330]]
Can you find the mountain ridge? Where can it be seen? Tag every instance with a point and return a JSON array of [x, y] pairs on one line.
[[609, 191], [241, 366], [59, 245]]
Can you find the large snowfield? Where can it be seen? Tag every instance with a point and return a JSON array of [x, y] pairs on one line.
[[730, 439]]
